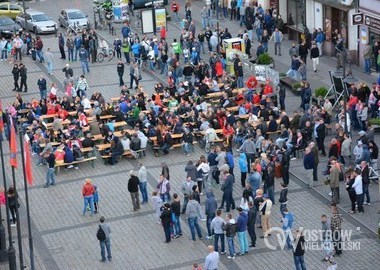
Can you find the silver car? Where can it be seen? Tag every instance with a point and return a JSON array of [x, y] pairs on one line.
[[36, 21], [72, 17]]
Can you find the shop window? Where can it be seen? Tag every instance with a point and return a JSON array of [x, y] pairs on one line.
[[297, 14]]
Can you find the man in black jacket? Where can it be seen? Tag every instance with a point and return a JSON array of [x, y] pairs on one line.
[[168, 142], [23, 76], [187, 139], [120, 72], [299, 251], [321, 134], [166, 219], [133, 188]]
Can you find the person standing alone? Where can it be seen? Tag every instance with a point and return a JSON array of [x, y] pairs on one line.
[[105, 241], [314, 56], [120, 72], [133, 188], [88, 196]]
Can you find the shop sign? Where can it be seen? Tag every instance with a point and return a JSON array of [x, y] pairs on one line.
[[372, 22], [357, 19]]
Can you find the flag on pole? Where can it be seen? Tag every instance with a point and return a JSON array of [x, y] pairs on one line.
[[28, 162], [13, 144], [1, 118], [1, 122]]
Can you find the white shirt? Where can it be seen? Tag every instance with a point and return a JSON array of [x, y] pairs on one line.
[[358, 185], [86, 103]]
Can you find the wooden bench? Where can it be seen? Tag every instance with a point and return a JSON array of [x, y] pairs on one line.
[[127, 153], [58, 164]]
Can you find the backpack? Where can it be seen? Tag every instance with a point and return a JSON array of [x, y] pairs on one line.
[[101, 235]]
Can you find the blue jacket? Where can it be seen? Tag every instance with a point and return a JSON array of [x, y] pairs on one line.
[[69, 156], [308, 161], [211, 159], [320, 37], [228, 184], [288, 221], [136, 48], [230, 160], [255, 182], [243, 163], [239, 3], [83, 55], [78, 42], [366, 155], [242, 222]]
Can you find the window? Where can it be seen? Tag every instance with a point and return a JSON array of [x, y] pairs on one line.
[[297, 14], [4, 7]]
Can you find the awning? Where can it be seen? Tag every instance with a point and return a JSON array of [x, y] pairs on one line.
[[350, 4]]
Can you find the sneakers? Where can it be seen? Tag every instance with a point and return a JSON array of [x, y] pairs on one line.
[[209, 237], [70, 166], [232, 258], [223, 252], [293, 158]]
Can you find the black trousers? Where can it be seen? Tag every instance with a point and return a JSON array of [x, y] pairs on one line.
[[121, 81], [352, 196], [321, 145], [285, 174], [315, 172], [337, 241], [23, 84], [62, 51], [252, 233]]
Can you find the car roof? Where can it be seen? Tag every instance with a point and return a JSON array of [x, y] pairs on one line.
[[34, 12], [14, 3], [68, 10]]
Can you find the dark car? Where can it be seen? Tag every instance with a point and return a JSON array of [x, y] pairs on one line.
[[8, 27]]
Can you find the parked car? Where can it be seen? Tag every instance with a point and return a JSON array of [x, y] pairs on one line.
[[8, 27], [71, 17], [36, 21], [10, 10]]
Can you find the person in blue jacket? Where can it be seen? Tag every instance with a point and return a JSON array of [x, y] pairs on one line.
[[243, 165]]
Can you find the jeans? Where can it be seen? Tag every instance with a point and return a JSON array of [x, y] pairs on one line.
[[243, 242], [70, 52], [84, 65], [176, 17], [367, 65], [50, 67], [43, 94], [105, 244], [76, 53], [208, 224], [193, 224], [4, 54], [319, 45], [240, 83], [144, 192], [40, 55], [121, 81], [177, 225], [277, 45], [270, 191], [50, 177], [165, 148], [88, 201], [242, 20], [127, 59], [282, 209], [299, 263], [293, 73], [187, 148], [265, 45], [165, 197], [216, 240], [204, 23], [231, 247], [289, 238], [366, 193]]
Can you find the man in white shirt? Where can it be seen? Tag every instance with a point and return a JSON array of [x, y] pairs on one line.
[[212, 259], [358, 187]]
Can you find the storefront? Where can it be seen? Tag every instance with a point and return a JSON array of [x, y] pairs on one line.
[[369, 30], [331, 15], [296, 18]]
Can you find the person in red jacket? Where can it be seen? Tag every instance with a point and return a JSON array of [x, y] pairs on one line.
[[163, 32], [175, 9], [88, 196]]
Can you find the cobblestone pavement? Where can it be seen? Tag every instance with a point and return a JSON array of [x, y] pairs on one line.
[[63, 239]]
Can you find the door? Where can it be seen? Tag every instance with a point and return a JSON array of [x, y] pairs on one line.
[[373, 37]]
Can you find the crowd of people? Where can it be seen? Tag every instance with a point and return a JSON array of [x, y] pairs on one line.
[[260, 130]]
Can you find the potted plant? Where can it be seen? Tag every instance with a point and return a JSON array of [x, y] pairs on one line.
[[320, 92], [296, 88], [264, 59], [282, 74]]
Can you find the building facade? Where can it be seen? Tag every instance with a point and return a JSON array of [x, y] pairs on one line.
[[369, 30]]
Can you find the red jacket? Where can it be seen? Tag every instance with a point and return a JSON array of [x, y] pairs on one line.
[[88, 189], [218, 68], [175, 7]]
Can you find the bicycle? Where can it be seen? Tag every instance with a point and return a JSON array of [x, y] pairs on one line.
[[103, 54]]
